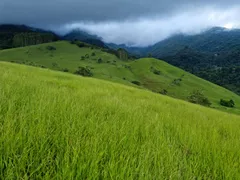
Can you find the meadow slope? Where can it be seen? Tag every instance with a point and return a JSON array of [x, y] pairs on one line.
[[152, 74], [55, 125]]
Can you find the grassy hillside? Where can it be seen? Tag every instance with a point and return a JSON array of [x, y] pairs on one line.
[[60, 126], [148, 73]]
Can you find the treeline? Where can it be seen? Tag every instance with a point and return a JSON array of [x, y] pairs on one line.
[[19, 35], [32, 38]]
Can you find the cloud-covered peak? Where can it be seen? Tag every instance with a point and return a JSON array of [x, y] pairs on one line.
[[138, 23]]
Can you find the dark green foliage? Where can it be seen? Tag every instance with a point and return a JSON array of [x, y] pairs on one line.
[[177, 82], [225, 103], [122, 54], [65, 70], [197, 97], [54, 64], [51, 48], [100, 60], [136, 83], [127, 67], [87, 56], [163, 92], [19, 36], [78, 35], [110, 51], [84, 71], [93, 54], [81, 45], [26, 39], [155, 71], [83, 58]]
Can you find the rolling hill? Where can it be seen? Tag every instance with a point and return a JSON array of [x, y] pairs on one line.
[[83, 36], [213, 55], [146, 73], [56, 125]]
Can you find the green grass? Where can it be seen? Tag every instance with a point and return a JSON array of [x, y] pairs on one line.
[[55, 125], [112, 69]]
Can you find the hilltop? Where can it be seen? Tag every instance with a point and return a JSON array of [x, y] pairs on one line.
[[146, 73]]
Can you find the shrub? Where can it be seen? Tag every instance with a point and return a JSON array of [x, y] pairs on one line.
[[225, 103], [100, 60], [81, 45], [84, 72], [51, 48], [197, 97], [54, 64], [157, 72], [82, 58], [164, 92], [93, 54], [87, 56], [65, 70], [136, 83], [177, 81]]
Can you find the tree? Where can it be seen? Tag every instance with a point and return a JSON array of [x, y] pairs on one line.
[[225, 103], [84, 71], [100, 60], [197, 97]]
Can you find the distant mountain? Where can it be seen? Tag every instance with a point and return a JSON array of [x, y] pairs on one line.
[[83, 36], [21, 35], [214, 40], [213, 55]]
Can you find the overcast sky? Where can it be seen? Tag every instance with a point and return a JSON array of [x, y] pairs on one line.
[[133, 22]]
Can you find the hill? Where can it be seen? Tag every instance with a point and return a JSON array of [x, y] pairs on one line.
[[214, 40], [20, 35], [83, 36], [146, 73], [213, 55], [57, 125]]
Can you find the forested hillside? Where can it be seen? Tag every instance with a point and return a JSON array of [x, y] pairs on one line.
[[19, 35], [213, 55]]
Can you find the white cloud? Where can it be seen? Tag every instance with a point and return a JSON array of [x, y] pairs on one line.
[[147, 31]]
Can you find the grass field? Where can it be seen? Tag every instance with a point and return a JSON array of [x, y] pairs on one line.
[[55, 125], [69, 56]]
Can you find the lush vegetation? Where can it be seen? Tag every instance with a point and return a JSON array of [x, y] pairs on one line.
[[226, 103], [56, 125], [222, 69], [197, 97], [20, 36], [147, 73], [213, 55], [83, 36]]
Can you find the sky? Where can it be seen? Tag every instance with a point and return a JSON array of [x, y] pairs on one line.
[[131, 22]]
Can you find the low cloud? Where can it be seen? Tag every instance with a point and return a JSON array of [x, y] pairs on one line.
[[147, 31], [136, 23]]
